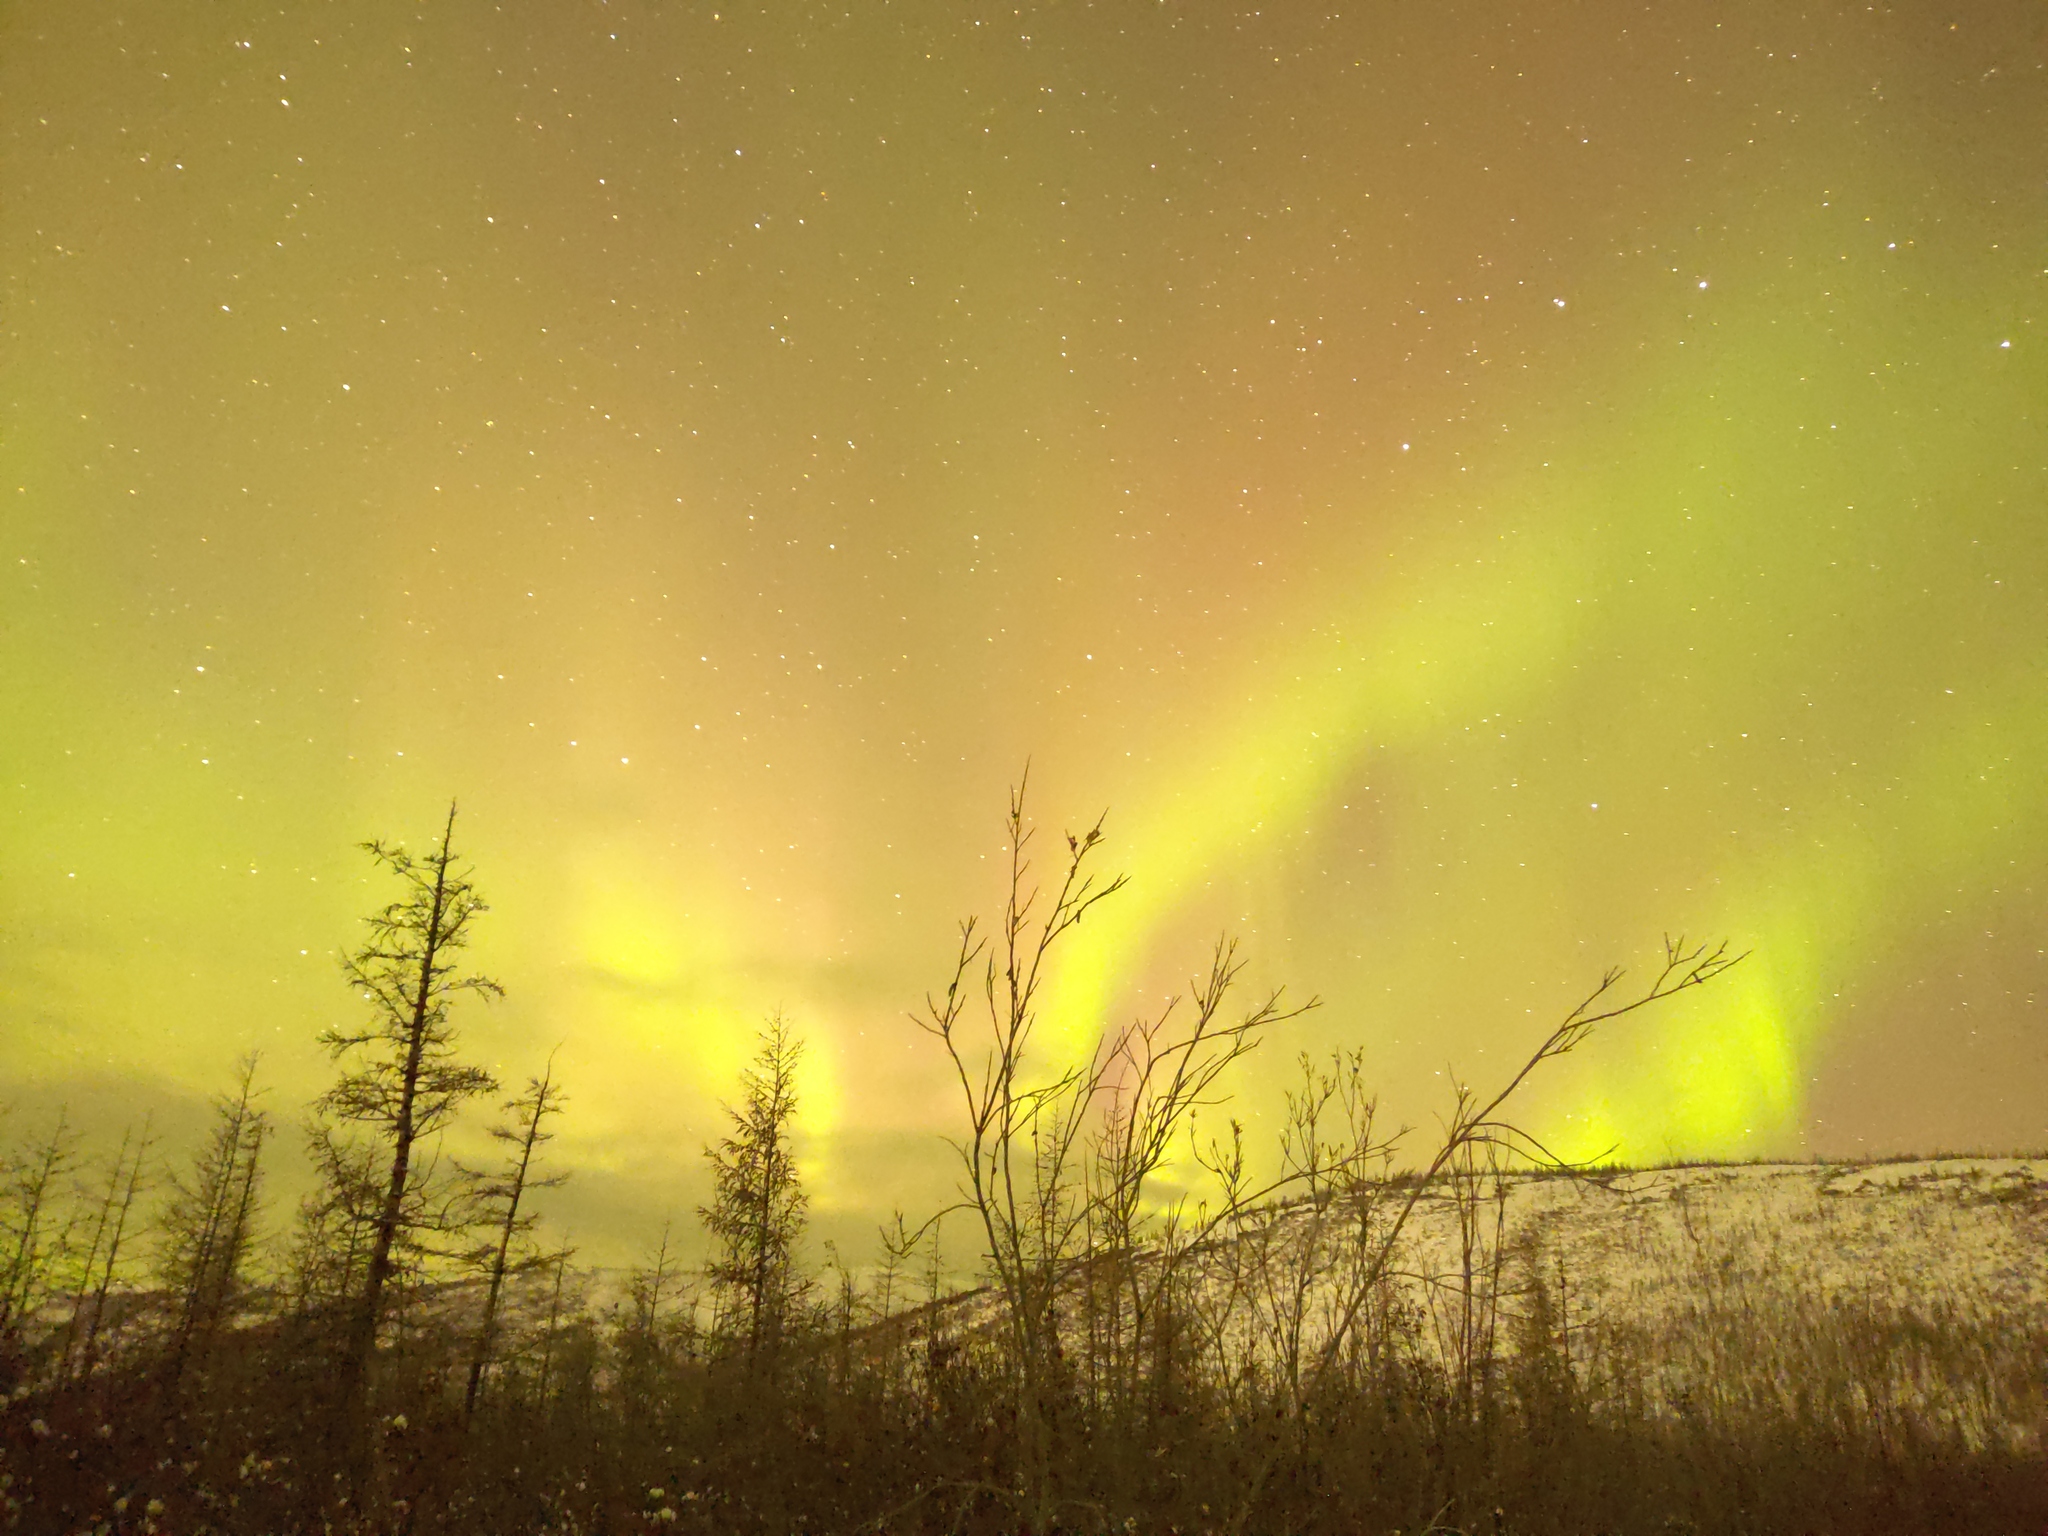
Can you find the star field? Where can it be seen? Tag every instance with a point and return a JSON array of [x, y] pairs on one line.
[[1470, 489]]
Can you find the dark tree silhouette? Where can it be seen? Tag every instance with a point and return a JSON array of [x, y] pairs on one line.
[[96, 1276], [405, 1082], [499, 1198], [31, 1250], [207, 1224], [758, 1204]]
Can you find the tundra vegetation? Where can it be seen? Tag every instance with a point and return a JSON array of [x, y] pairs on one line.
[[1293, 1353]]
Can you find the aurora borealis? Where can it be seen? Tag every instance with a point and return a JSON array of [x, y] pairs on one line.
[[1469, 488]]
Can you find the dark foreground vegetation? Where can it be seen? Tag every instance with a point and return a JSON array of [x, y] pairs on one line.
[[416, 1359]]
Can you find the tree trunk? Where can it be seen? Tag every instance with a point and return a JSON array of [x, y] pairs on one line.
[[487, 1332], [362, 1334]]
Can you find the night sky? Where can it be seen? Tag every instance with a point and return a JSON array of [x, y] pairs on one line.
[[1469, 488]]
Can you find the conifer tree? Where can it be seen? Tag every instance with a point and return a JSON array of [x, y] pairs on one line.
[[405, 1081], [329, 1252], [757, 1212], [500, 1198], [658, 1313], [96, 1276], [208, 1222], [31, 1244]]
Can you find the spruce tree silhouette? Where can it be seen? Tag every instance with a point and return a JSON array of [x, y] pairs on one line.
[[405, 1082]]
